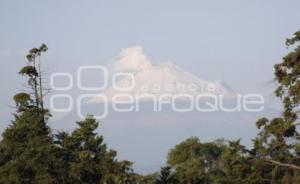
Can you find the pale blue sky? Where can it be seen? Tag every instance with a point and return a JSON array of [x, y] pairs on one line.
[[213, 39], [235, 40]]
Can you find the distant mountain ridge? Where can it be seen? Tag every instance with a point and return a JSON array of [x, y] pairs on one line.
[[165, 79]]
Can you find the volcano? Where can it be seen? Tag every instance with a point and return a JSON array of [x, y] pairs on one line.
[[157, 80]]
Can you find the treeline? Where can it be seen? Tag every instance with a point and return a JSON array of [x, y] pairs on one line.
[[31, 153], [275, 154]]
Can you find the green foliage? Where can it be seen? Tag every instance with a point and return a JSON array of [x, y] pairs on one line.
[[30, 153], [287, 74], [166, 176], [278, 140], [29, 70], [87, 159], [27, 152], [84, 152], [22, 101], [196, 162]]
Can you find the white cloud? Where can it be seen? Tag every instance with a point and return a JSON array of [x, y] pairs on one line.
[[132, 59]]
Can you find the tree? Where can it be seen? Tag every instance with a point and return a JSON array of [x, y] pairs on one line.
[[87, 160], [196, 162], [278, 141], [30, 154], [27, 152], [166, 176]]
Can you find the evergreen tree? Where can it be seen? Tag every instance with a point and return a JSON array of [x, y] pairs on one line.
[[87, 160], [27, 152]]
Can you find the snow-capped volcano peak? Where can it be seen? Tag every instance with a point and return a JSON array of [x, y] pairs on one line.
[[163, 79]]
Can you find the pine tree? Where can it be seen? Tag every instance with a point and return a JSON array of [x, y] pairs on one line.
[[30, 154], [27, 152], [87, 159]]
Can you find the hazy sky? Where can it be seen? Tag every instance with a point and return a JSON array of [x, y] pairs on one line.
[[238, 41]]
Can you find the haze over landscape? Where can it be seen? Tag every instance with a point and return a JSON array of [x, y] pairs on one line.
[[225, 48], [142, 124]]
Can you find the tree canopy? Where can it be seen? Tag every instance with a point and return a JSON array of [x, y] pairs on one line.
[[31, 153]]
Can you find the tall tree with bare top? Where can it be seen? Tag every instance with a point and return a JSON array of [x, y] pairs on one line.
[[27, 152]]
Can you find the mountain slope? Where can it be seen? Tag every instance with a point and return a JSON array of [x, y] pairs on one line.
[[165, 79]]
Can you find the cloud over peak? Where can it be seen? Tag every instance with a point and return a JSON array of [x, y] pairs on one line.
[[133, 59]]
